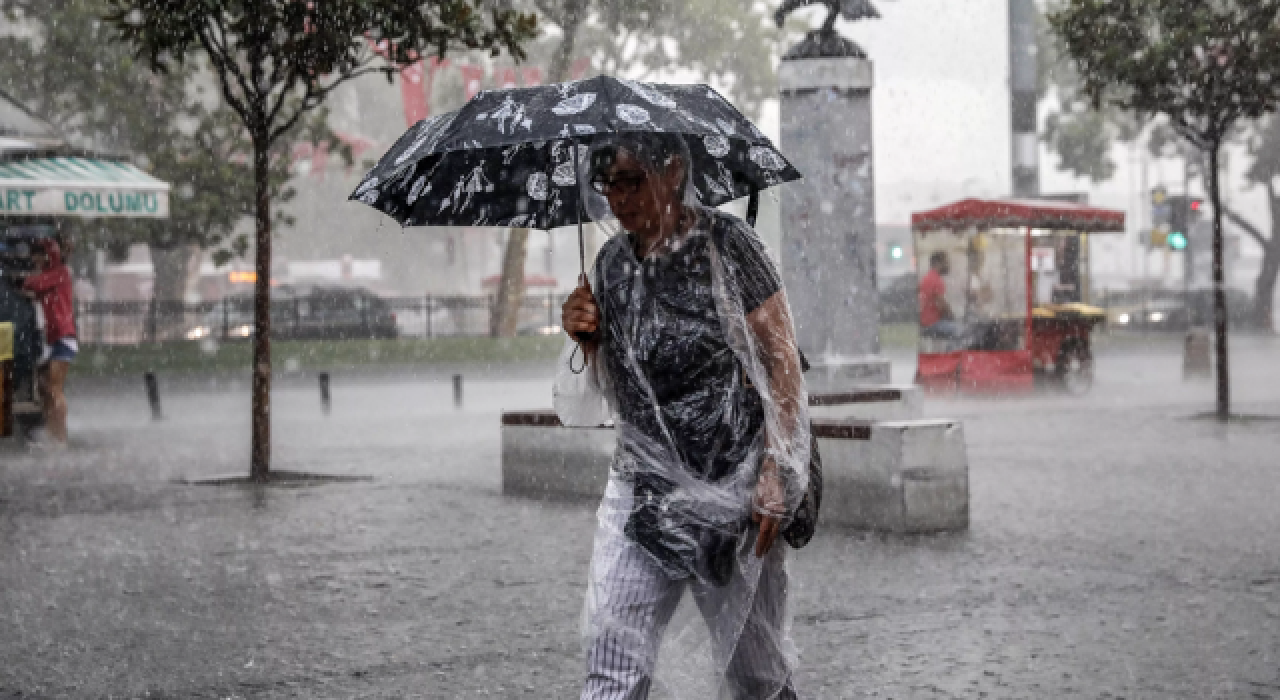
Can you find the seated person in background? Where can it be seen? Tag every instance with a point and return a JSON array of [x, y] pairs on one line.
[[936, 317]]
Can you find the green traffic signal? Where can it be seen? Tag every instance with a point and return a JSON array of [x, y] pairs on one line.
[[1185, 213], [896, 252]]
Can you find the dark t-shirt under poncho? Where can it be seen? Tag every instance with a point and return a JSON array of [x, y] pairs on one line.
[[663, 308]]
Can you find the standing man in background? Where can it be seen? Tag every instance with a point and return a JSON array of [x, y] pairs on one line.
[[51, 286]]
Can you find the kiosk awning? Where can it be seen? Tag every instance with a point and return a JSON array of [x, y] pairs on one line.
[[79, 186]]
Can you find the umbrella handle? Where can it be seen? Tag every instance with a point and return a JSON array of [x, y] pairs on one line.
[[753, 207], [582, 248], [581, 336]]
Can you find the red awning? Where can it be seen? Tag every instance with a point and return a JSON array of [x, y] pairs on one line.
[[990, 213]]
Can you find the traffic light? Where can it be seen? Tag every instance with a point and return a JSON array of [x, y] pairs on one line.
[[1161, 215], [896, 252], [1160, 210], [1184, 214]]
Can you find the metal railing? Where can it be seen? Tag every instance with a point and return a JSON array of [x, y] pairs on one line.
[[428, 316]]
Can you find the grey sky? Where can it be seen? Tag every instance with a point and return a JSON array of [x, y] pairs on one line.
[[940, 106]]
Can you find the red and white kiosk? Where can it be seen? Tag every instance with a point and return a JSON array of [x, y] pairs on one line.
[[1018, 292]]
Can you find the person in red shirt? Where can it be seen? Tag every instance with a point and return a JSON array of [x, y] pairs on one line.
[[51, 286], [936, 318]]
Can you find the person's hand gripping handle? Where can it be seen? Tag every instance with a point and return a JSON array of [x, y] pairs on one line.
[[580, 317], [768, 505]]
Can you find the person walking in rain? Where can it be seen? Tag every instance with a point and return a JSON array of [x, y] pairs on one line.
[[688, 345]]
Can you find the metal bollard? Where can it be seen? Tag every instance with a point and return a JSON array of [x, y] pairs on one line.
[[325, 403], [1195, 354], [153, 395], [457, 391]]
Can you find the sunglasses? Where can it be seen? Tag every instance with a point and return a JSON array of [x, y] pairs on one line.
[[626, 184]]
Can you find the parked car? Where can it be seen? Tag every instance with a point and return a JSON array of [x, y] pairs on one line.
[[1172, 310], [314, 313], [1154, 315]]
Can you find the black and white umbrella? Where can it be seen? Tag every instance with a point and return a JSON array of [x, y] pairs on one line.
[[506, 157]]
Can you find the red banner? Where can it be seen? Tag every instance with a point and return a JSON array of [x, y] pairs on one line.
[[413, 93]]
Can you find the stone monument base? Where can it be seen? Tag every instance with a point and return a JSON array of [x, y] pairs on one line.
[[836, 374]]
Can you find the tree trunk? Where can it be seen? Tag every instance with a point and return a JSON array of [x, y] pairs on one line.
[[511, 287], [260, 464], [1219, 289], [1264, 287], [575, 10], [170, 266], [173, 271]]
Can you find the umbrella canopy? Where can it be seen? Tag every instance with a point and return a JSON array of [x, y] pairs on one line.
[[507, 157]]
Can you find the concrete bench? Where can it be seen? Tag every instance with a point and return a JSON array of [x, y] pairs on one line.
[[541, 457], [898, 476], [868, 403]]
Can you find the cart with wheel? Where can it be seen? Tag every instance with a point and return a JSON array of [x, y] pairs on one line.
[[1004, 291]]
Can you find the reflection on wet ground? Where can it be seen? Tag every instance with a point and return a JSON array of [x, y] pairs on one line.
[[1118, 549]]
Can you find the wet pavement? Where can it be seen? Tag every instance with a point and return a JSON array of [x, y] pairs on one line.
[[1119, 549]]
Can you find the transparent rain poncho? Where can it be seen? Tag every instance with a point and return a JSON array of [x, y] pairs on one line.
[[696, 365]]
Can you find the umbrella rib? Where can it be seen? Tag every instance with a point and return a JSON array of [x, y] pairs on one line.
[[577, 186], [611, 108]]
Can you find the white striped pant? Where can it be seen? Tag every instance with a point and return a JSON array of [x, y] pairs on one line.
[[630, 602]]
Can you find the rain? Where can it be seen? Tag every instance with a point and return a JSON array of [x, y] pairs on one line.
[[634, 349]]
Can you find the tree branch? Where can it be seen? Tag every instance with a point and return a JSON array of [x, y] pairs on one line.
[[279, 67], [304, 106], [314, 96], [220, 67], [256, 52], [1245, 225], [550, 10], [1188, 131], [225, 64], [285, 89], [247, 88]]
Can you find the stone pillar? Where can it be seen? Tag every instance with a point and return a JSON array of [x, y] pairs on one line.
[[1025, 147], [828, 238]]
